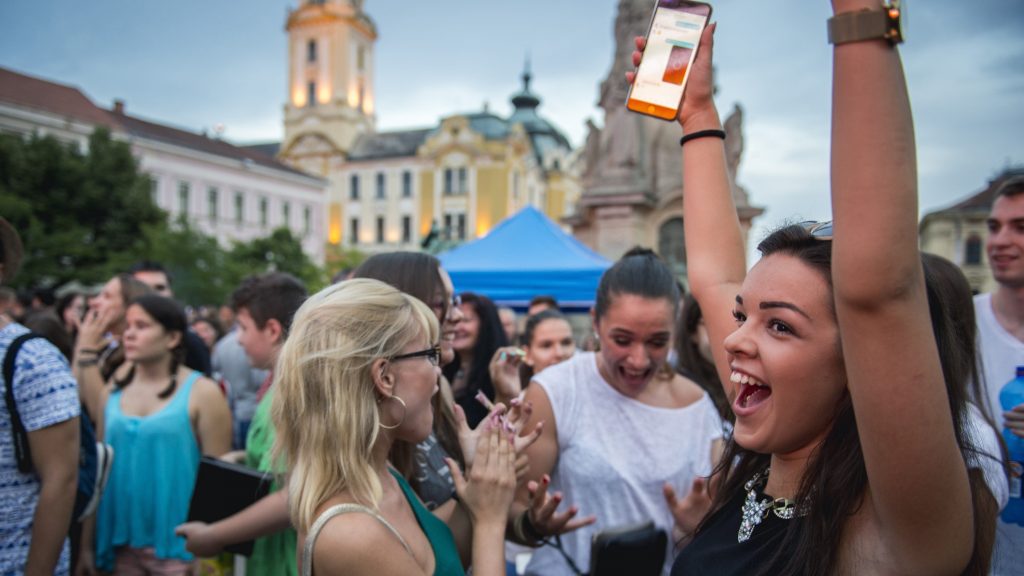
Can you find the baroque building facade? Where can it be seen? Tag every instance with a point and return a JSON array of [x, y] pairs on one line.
[[389, 190], [958, 232]]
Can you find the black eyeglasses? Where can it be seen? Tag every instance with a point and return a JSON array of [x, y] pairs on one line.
[[818, 230], [433, 354]]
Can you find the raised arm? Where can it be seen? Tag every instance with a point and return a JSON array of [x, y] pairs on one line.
[[715, 253], [917, 480]]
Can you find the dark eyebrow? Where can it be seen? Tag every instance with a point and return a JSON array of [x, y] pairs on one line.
[[787, 305]]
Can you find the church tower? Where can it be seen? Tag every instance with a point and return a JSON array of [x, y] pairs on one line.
[[330, 83]]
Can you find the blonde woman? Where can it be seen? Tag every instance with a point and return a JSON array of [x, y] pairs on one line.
[[356, 374]]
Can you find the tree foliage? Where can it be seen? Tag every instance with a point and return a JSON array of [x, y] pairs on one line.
[[280, 252], [80, 215], [86, 216]]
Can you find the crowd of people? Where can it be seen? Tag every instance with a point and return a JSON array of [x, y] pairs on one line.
[[833, 409]]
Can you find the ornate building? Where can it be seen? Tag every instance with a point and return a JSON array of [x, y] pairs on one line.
[[389, 190], [632, 176], [958, 233]]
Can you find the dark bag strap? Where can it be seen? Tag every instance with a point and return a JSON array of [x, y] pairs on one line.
[[20, 436]]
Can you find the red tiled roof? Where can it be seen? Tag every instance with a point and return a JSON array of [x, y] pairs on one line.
[[45, 96], [982, 201]]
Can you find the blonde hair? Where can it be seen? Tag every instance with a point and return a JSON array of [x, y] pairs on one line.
[[324, 409]]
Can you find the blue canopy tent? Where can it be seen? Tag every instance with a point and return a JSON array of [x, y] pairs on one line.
[[527, 255]]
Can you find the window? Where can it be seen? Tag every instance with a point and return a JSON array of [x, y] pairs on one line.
[[353, 231], [286, 214], [211, 202], [406, 229], [672, 244], [311, 93], [154, 189], [449, 181], [380, 186], [972, 251], [407, 184], [380, 229], [447, 226], [183, 192], [263, 211], [462, 181], [311, 51], [307, 220], [462, 226], [239, 207], [353, 187]]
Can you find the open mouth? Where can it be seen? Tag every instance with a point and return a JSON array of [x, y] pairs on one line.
[[635, 377], [752, 392]]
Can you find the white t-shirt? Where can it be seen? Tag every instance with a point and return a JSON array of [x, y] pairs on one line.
[[1000, 353], [615, 455]]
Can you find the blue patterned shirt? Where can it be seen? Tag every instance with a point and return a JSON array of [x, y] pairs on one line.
[[46, 394]]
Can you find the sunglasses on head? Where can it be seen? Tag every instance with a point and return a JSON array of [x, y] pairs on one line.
[[818, 230]]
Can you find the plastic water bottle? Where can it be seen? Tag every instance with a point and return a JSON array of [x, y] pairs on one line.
[[1013, 395]]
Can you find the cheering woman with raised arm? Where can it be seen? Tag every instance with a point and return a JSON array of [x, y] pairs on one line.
[[846, 456]]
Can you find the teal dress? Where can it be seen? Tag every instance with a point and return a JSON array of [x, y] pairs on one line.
[[156, 459], [446, 555]]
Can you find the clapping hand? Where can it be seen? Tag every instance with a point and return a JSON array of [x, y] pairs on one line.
[[512, 421], [491, 483]]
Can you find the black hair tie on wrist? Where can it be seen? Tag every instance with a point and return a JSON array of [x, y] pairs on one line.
[[702, 134]]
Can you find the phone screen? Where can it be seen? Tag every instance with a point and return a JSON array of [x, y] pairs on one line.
[[671, 47]]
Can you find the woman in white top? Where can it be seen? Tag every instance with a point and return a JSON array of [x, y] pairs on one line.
[[620, 423]]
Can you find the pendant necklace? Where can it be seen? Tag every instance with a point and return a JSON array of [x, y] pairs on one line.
[[753, 512]]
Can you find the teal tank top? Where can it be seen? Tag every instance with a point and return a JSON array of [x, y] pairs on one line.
[[446, 555], [156, 459]]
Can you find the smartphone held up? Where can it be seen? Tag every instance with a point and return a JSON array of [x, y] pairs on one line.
[[672, 40]]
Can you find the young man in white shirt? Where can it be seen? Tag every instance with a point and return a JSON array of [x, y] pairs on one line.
[[1000, 317]]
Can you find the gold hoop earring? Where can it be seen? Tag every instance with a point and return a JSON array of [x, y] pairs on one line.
[[400, 421]]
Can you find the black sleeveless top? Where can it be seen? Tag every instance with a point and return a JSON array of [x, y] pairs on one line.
[[715, 551]]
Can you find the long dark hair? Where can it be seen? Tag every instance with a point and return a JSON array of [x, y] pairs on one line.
[[951, 307], [489, 338], [692, 364], [835, 480], [418, 275], [171, 316]]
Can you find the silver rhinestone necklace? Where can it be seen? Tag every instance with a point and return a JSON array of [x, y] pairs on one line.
[[753, 511]]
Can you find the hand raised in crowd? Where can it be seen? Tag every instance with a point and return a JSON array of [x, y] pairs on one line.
[[491, 483], [504, 369], [513, 420], [1014, 420], [543, 511], [698, 99], [689, 511], [92, 332], [200, 540]]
